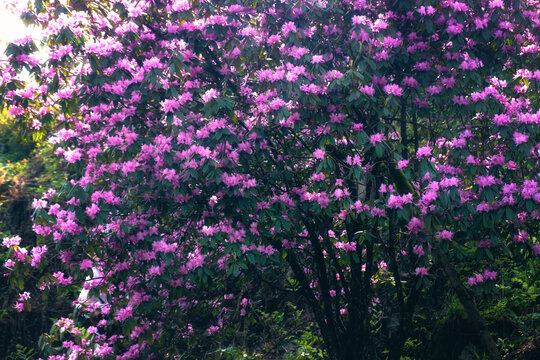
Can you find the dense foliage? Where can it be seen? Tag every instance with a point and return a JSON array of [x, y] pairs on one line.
[[359, 155]]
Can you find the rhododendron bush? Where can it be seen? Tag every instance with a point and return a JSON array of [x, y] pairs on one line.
[[341, 149]]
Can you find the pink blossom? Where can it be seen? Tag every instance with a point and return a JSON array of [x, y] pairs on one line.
[[170, 105], [37, 254], [421, 271], [19, 306], [521, 236], [287, 28], [319, 154], [9, 263], [530, 187], [73, 156], [410, 81], [496, 4], [92, 210], [24, 296], [397, 201], [393, 89], [520, 138], [367, 89], [418, 250], [401, 164], [426, 10], [376, 212], [501, 119], [86, 264], [345, 246], [39, 203], [11, 241], [210, 94], [124, 313], [423, 151], [376, 138], [415, 225], [485, 181], [445, 235], [490, 275]]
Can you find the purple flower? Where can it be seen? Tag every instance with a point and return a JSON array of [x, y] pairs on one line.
[[445, 235], [415, 225], [520, 138], [319, 154], [423, 151], [210, 94], [490, 275], [402, 164], [421, 271], [376, 138], [393, 89]]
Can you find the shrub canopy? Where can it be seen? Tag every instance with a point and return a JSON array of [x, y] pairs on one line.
[[348, 147]]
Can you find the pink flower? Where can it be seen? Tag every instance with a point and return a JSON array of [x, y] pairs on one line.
[[210, 94], [423, 10], [415, 225], [521, 236], [39, 204], [92, 210], [319, 154], [397, 201], [24, 296], [501, 119], [86, 264], [124, 313], [402, 164], [277, 103], [421, 271], [37, 254], [530, 187], [170, 105], [434, 89], [11, 241], [376, 138], [367, 89], [520, 138], [410, 81], [287, 28], [393, 89], [490, 275], [484, 181], [19, 306], [423, 151], [418, 250], [496, 4], [73, 156], [445, 235], [317, 59]]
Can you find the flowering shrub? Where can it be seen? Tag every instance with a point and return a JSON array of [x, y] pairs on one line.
[[349, 145]]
